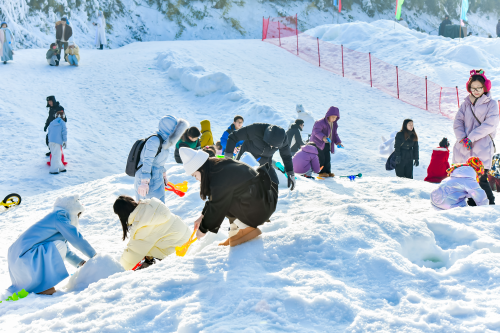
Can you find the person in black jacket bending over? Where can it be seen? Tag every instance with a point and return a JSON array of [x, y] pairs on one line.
[[294, 136], [406, 150], [247, 197], [262, 141], [53, 106]]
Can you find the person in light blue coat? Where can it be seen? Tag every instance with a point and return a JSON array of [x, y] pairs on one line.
[[57, 136], [36, 259], [151, 177], [6, 43]]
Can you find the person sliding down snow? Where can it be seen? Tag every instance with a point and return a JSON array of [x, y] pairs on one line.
[[262, 141], [36, 259], [325, 136], [247, 197], [190, 139], [436, 171], [153, 230], [207, 138], [58, 136], [53, 106], [294, 137], [151, 177], [308, 159], [462, 184]]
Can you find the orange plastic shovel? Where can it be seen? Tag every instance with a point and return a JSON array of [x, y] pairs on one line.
[[182, 250], [179, 189]]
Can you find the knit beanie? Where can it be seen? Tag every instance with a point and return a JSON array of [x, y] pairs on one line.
[[473, 162], [192, 159]]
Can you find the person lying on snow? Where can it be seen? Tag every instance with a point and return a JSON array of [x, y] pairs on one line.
[[190, 139], [58, 136], [36, 259], [308, 159], [436, 171], [153, 230], [247, 197], [462, 184]]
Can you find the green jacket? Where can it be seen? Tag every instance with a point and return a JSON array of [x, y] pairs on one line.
[[188, 144], [51, 52]]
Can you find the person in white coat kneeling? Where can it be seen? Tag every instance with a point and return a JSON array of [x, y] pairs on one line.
[[153, 230], [36, 259]]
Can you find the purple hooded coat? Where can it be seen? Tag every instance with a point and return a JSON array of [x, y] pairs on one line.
[[466, 126], [306, 158], [321, 129]]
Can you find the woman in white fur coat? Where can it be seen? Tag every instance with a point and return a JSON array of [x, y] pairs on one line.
[[100, 30], [36, 259]]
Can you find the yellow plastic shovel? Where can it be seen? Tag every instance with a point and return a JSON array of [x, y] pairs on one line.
[[182, 250]]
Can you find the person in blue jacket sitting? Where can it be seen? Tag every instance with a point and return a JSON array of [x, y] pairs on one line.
[[36, 259], [236, 125]]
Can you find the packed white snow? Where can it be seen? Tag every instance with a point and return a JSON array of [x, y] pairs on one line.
[[369, 255]]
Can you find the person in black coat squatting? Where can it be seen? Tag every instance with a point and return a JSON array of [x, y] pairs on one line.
[[53, 106], [247, 197], [294, 136], [262, 141], [406, 150]]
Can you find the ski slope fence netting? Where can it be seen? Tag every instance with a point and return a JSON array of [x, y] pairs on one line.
[[362, 67]]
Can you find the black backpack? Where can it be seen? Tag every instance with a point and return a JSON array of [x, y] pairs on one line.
[[135, 155]]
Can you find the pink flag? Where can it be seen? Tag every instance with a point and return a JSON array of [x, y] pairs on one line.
[[340, 6], [396, 8]]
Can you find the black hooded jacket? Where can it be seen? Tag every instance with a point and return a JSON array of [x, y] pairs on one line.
[[259, 138], [442, 25], [294, 138], [52, 112]]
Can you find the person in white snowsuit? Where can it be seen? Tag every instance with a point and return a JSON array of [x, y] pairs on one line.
[[151, 177], [100, 31], [462, 184], [57, 136]]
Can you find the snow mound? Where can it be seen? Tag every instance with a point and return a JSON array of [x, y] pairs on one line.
[[99, 267], [193, 77]]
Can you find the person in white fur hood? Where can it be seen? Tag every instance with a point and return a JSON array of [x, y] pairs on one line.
[[36, 259]]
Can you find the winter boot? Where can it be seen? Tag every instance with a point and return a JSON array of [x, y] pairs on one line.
[[47, 154], [48, 291], [324, 175], [332, 174], [233, 230], [244, 235], [148, 261]]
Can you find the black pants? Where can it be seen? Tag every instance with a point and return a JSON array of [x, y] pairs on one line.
[[405, 169], [102, 46], [485, 185], [327, 155]]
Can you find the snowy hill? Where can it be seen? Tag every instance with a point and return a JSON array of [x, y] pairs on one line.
[[370, 255], [145, 20]]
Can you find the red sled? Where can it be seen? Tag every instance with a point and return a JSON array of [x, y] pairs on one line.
[[62, 159]]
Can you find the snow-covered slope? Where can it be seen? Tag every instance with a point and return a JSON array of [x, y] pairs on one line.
[[370, 255], [145, 20]]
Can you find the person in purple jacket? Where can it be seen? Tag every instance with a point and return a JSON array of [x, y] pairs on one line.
[[307, 160], [325, 136]]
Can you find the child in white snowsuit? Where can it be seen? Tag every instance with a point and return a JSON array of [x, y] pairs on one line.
[[58, 136]]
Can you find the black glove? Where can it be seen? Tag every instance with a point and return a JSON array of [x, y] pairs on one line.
[[416, 163], [398, 159], [228, 155], [291, 180]]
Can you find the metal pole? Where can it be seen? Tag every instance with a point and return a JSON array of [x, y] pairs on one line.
[[370, 57], [279, 32], [319, 56], [297, 31], [262, 28], [458, 98], [426, 97], [342, 46], [440, 94], [397, 79]]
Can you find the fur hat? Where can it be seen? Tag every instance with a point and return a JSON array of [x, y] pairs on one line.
[[192, 159], [487, 83], [71, 204]]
